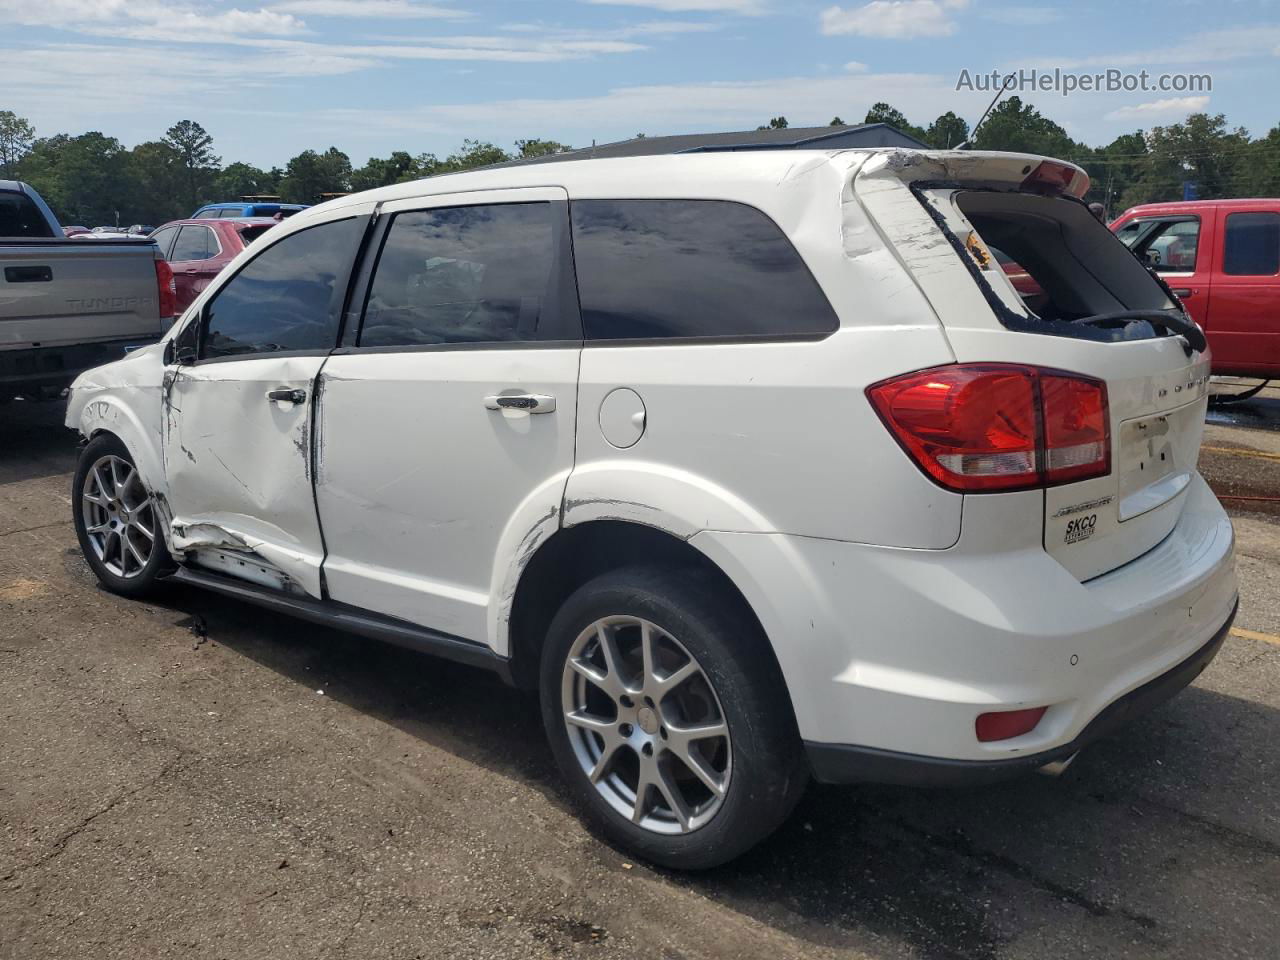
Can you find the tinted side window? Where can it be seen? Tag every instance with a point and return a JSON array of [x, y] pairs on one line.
[[194, 243], [691, 268], [288, 297], [479, 274], [1252, 245], [20, 217]]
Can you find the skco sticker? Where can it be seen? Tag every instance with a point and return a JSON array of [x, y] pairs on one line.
[[1081, 528]]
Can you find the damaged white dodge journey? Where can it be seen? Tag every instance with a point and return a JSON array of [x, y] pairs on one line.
[[757, 465]]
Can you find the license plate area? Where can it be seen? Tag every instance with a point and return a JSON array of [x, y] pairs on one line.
[[1153, 460]]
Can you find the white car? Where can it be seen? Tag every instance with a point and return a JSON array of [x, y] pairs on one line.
[[754, 463]]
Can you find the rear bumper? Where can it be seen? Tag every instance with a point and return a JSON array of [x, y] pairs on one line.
[[898, 651], [38, 367], [847, 763]]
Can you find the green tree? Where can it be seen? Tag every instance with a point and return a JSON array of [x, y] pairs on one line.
[[776, 123], [1200, 150], [194, 147], [947, 132], [310, 174], [885, 113], [237, 180], [836, 122], [472, 154], [525, 149], [159, 184], [379, 172], [16, 138], [1019, 127], [86, 179]]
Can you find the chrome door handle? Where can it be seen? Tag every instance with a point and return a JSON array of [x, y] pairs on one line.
[[285, 395], [528, 402]]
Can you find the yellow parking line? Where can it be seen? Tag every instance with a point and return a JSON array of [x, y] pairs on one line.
[[1255, 635], [1233, 452]]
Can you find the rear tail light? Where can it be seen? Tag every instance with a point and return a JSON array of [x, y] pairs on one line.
[[1007, 724], [1053, 178], [985, 427], [167, 289]]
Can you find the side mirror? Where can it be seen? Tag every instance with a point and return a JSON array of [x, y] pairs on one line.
[[181, 347]]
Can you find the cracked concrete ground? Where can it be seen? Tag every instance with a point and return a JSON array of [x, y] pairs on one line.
[[173, 783]]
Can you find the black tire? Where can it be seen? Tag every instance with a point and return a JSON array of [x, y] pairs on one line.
[[158, 563], [769, 773]]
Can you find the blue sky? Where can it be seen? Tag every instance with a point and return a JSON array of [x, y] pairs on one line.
[[369, 76]]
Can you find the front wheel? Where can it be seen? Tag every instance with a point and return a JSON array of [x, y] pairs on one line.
[[116, 519], [668, 718]]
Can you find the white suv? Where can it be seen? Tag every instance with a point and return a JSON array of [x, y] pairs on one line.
[[757, 465]]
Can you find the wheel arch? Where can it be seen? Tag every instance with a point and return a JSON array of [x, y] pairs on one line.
[[573, 555]]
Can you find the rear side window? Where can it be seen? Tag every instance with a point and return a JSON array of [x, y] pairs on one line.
[[662, 269], [194, 243], [20, 217], [1252, 245], [477, 274], [289, 297]]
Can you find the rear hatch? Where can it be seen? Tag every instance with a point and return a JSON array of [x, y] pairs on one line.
[[968, 226], [62, 291]]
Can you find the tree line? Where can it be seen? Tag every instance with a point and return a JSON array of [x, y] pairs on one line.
[[92, 178]]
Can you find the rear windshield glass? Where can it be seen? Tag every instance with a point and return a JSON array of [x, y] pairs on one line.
[[250, 234], [20, 217], [1060, 261]]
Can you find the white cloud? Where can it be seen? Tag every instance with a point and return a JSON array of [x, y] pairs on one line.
[[750, 8], [893, 19], [148, 19], [372, 9], [1212, 46], [856, 66], [1172, 107]]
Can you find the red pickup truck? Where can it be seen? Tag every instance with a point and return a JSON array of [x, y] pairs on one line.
[[1222, 258]]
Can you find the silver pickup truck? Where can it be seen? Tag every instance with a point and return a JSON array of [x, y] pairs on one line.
[[69, 305]]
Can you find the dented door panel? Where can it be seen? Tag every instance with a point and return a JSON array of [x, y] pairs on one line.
[[239, 464]]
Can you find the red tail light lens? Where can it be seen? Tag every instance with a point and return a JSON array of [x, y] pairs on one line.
[[987, 427], [166, 289], [1053, 178], [1007, 724]]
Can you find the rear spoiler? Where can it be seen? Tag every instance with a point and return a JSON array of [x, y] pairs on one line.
[[990, 170]]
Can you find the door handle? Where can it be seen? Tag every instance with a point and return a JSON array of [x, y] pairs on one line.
[[1183, 292], [285, 395], [528, 402]]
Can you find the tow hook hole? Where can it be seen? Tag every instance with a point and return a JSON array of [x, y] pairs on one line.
[[1074, 659]]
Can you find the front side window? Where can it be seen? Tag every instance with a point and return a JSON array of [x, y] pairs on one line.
[[659, 269], [1252, 245], [289, 297], [163, 239], [478, 274]]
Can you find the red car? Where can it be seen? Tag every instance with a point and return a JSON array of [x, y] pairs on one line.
[[1222, 258], [197, 250]]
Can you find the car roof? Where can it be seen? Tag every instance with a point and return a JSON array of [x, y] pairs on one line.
[[1189, 206], [234, 221]]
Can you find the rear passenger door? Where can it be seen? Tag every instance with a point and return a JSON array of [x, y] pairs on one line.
[[447, 419], [190, 258], [1244, 326]]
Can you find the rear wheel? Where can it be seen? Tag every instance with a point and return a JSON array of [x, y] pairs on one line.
[[668, 718], [116, 519]]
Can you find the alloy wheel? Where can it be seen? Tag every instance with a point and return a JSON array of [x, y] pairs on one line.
[[119, 516], [646, 725]]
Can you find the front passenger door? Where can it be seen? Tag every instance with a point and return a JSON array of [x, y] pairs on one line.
[[238, 417], [448, 429]]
